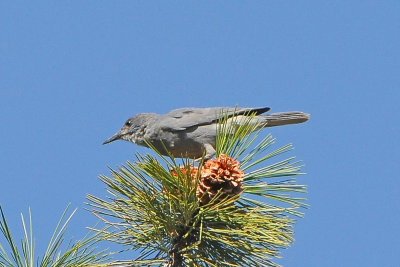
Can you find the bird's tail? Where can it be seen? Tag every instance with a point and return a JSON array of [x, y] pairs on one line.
[[283, 118]]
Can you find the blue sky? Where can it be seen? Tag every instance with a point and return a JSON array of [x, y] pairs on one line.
[[72, 72]]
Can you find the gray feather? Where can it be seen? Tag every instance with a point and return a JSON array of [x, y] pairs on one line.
[[184, 118]]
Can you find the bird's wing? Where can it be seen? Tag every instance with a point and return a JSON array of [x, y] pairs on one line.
[[181, 119]]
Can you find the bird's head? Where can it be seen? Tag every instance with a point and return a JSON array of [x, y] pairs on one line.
[[133, 129]]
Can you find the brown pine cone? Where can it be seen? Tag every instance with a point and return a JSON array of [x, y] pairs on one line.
[[193, 172], [222, 174]]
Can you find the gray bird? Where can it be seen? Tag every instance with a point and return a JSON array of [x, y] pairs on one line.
[[190, 132]]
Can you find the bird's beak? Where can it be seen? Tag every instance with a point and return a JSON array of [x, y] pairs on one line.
[[113, 138]]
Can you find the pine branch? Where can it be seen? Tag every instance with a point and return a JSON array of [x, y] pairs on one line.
[[223, 212]]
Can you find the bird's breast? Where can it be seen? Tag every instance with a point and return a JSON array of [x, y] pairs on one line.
[[182, 143]]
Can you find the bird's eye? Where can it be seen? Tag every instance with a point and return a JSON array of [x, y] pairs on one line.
[[128, 123]]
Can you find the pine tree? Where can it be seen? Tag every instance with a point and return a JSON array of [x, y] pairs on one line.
[[235, 210]]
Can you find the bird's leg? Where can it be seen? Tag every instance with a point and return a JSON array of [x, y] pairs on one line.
[[210, 151]]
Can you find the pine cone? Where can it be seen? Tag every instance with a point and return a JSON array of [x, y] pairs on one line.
[[222, 174], [193, 172]]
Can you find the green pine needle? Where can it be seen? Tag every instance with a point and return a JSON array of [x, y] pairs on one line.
[[80, 253]]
